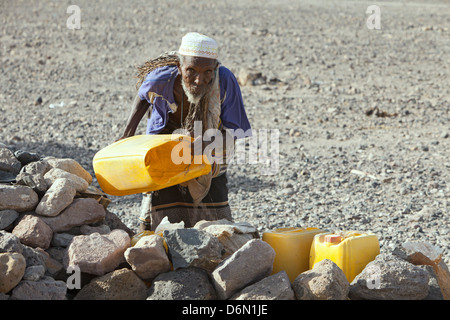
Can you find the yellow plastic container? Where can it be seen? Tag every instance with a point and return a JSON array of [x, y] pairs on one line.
[[144, 163], [292, 247], [350, 250], [140, 235]]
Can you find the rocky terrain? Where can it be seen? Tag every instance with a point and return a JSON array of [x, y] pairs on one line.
[[363, 115]]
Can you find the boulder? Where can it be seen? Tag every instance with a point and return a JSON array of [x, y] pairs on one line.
[[17, 197], [33, 232], [12, 269], [58, 197], [148, 257], [182, 284], [97, 254], [274, 287], [80, 212], [193, 248], [326, 281], [252, 262], [7, 217], [389, 277], [46, 288], [121, 284], [8, 162], [10, 243]]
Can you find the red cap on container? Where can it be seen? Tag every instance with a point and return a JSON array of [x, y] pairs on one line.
[[333, 238]]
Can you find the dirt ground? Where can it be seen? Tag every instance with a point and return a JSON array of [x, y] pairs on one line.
[[362, 114]]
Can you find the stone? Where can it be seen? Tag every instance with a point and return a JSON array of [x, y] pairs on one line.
[[252, 262], [61, 239], [34, 181], [148, 257], [7, 217], [9, 242], [40, 167], [326, 281], [8, 162], [274, 287], [182, 284], [34, 273], [58, 197], [97, 254], [193, 248], [435, 292], [102, 229], [424, 253], [45, 289], [17, 197], [12, 269], [114, 222], [26, 157], [389, 277], [80, 212], [33, 232], [121, 284], [231, 235], [248, 76], [34, 256], [71, 166], [53, 174]]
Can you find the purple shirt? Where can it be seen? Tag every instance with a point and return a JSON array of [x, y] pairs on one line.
[[161, 81]]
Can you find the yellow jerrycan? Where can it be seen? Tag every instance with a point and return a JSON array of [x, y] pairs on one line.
[[146, 163], [292, 247], [350, 250]]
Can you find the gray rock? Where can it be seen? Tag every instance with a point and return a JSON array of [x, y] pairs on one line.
[[61, 239], [26, 157], [44, 289], [34, 181], [389, 277], [17, 197], [58, 197], [326, 281], [182, 284], [252, 262], [34, 273], [10, 243], [8, 162], [7, 217], [274, 287], [80, 212], [193, 248]]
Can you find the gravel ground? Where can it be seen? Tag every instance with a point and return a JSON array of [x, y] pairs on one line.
[[362, 115]]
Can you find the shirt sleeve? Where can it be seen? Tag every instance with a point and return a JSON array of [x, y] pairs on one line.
[[233, 115]]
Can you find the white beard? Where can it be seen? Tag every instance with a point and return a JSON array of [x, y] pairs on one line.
[[194, 99]]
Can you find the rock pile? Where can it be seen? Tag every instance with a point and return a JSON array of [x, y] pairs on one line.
[[58, 241]]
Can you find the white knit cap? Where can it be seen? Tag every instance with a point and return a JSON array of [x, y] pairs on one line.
[[199, 45]]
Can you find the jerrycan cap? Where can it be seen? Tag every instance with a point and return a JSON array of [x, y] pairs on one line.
[[333, 238]]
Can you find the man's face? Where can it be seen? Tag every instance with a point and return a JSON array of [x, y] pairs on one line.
[[197, 74]]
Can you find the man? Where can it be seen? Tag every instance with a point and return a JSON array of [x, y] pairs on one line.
[[187, 90]]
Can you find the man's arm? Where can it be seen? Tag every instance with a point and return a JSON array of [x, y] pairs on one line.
[[138, 110]]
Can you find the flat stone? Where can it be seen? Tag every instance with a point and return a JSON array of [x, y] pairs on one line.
[[182, 284], [80, 212], [17, 197], [45, 289], [274, 287], [7, 217], [70, 165], [97, 254], [193, 248]]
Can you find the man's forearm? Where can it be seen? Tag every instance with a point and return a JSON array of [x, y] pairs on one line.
[[138, 110]]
